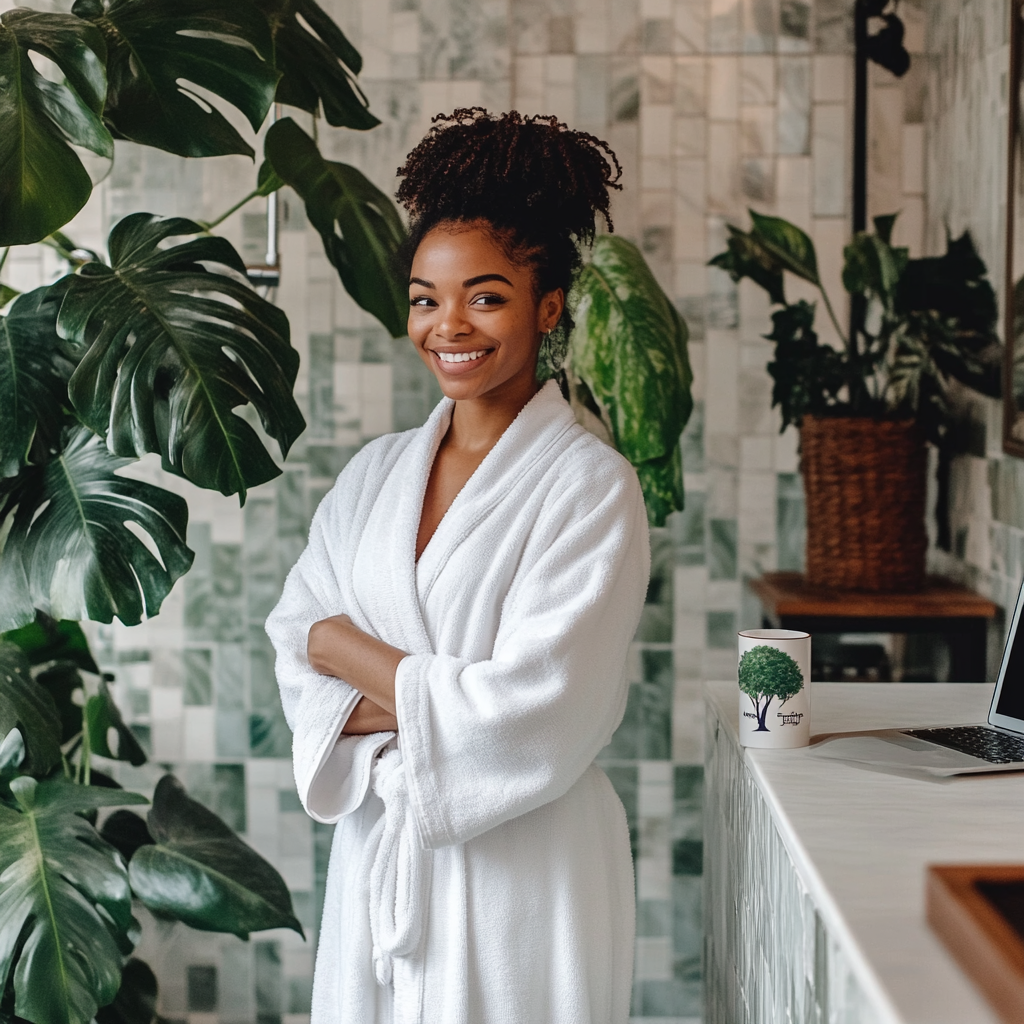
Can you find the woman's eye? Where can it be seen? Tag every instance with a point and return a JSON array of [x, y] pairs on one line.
[[421, 300], [489, 300]]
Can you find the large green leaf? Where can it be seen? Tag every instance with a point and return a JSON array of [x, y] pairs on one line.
[[791, 246], [65, 904], [747, 257], [158, 49], [629, 347], [136, 998], [69, 550], [173, 347], [359, 224], [109, 736], [200, 872], [43, 182], [27, 706], [33, 377], [47, 639], [874, 267], [12, 753], [317, 70], [126, 832]]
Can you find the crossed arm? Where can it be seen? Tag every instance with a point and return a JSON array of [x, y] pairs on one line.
[[336, 647]]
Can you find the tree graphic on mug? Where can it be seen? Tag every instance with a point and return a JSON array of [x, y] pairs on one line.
[[767, 672]]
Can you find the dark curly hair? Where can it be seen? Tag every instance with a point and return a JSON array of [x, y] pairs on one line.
[[538, 183]]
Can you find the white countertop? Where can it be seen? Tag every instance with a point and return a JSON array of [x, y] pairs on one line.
[[860, 839]]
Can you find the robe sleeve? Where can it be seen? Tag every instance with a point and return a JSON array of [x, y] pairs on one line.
[[332, 772], [483, 742]]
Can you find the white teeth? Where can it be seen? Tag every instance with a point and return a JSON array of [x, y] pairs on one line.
[[459, 357]]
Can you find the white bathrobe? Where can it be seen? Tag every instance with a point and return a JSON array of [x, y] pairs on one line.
[[480, 871]]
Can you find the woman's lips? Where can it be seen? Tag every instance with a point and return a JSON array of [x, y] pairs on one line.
[[462, 365]]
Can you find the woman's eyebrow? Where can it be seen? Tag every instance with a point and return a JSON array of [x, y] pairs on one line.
[[470, 282], [421, 282]]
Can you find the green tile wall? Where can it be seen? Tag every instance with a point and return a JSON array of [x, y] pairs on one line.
[[712, 106]]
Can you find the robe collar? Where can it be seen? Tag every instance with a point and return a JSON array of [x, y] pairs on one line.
[[394, 523]]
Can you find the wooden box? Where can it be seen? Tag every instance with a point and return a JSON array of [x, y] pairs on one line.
[[978, 912]]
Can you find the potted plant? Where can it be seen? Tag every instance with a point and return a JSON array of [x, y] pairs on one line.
[[866, 410], [152, 347]]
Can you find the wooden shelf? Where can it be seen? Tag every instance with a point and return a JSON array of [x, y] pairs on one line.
[[786, 594]]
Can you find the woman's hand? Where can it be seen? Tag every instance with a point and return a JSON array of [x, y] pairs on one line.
[[337, 647]]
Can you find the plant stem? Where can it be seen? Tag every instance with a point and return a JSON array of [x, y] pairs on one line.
[[85, 760], [3, 258], [832, 316], [208, 226]]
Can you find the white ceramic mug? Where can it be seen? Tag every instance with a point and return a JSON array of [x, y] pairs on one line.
[[775, 703]]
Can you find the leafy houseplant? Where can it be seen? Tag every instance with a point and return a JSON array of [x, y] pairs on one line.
[[916, 327], [627, 370], [152, 347], [66, 920]]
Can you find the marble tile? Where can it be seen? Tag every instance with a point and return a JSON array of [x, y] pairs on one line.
[[829, 146], [722, 549], [833, 26], [269, 735], [202, 989], [268, 982], [791, 527], [721, 630], [760, 19], [794, 105], [724, 26]]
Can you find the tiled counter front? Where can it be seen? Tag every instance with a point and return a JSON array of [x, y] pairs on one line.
[[768, 958]]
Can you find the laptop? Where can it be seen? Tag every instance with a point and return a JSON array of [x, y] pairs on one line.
[[997, 746]]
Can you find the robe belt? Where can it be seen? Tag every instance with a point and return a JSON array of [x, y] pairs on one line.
[[395, 869]]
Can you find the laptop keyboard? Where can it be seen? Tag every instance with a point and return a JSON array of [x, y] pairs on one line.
[[977, 740]]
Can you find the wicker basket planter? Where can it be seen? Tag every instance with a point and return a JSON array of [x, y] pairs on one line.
[[864, 484]]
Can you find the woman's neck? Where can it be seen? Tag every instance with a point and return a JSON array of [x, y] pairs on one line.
[[478, 423]]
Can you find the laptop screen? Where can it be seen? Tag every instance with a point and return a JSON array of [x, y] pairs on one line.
[[1007, 709]]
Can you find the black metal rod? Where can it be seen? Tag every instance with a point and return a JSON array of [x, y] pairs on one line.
[[860, 168], [860, 116]]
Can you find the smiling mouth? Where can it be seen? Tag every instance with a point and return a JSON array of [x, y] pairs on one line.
[[454, 364], [450, 358]]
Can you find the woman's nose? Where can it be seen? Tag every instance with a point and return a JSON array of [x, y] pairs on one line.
[[452, 322]]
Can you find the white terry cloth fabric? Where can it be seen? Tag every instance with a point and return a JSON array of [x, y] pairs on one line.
[[480, 872]]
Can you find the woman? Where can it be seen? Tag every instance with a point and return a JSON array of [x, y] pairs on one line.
[[475, 583]]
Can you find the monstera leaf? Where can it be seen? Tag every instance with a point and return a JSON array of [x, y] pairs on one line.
[[69, 550], [629, 347], [33, 384], [46, 640], [157, 48], [200, 872], [136, 998], [108, 734], [25, 705], [172, 348], [43, 183], [318, 70], [359, 225], [65, 904]]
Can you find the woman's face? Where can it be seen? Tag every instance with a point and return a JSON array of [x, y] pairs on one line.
[[473, 315]]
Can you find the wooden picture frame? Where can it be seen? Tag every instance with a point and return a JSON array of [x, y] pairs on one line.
[[1013, 396], [984, 943]]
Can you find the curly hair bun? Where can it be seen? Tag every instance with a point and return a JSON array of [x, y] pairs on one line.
[[532, 178]]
